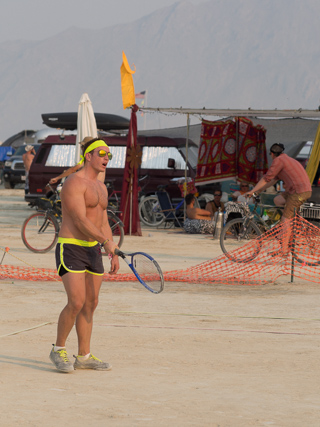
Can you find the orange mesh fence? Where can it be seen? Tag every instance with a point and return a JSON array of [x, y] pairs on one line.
[[263, 259], [253, 261]]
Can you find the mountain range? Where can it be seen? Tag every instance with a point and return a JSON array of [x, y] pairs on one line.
[[216, 54]]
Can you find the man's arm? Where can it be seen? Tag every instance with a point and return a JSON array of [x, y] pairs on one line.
[[106, 230], [65, 173], [261, 186], [200, 211]]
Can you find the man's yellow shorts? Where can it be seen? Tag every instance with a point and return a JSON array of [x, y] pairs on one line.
[[293, 203]]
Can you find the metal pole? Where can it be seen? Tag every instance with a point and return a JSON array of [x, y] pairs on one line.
[[237, 146], [186, 166], [187, 148], [293, 245]]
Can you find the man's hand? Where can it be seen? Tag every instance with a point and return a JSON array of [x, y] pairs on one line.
[[53, 180], [114, 265], [110, 247]]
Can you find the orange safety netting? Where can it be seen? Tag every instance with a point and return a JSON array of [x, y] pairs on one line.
[[251, 262]]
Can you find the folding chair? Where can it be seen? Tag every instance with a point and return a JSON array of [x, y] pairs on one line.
[[171, 214]]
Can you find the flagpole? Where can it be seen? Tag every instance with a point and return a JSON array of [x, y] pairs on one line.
[[145, 116]]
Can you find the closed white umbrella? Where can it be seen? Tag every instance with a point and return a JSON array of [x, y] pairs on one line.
[[86, 123]]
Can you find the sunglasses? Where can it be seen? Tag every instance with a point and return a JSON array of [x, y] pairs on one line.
[[217, 195], [103, 153]]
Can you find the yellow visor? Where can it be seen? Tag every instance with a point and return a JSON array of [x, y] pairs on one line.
[[96, 144]]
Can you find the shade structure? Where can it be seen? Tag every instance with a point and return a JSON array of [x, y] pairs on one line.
[[129, 195], [86, 123], [232, 149]]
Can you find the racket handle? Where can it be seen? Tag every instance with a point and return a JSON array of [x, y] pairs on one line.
[[119, 253]]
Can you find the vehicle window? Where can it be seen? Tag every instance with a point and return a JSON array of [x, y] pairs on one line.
[[61, 155], [192, 155], [157, 158], [20, 150], [152, 157], [41, 155], [118, 157]]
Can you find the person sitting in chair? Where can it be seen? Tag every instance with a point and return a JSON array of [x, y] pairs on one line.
[[239, 195], [198, 221], [214, 205]]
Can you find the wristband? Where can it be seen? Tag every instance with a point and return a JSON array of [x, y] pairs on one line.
[[106, 241]]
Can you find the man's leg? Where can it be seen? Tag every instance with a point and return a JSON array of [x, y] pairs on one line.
[[292, 206], [279, 200], [75, 287], [84, 321]]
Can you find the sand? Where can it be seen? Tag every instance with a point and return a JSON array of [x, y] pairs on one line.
[[194, 355]]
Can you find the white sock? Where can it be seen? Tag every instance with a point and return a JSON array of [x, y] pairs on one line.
[[86, 357], [56, 348]]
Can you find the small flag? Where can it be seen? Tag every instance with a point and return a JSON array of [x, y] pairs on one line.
[[127, 87], [140, 95]]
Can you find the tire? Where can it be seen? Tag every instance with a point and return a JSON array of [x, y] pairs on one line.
[[231, 239], [117, 228], [149, 211], [305, 247], [39, 232]]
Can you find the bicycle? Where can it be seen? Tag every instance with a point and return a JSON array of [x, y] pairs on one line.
[[39, 232], [114, 196], [150, 211], [241, 231]]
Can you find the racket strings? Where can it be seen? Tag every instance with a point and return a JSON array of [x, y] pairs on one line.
[[149, 271]]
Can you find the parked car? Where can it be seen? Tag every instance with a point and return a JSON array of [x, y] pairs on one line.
[[163, 160], [13, 171]]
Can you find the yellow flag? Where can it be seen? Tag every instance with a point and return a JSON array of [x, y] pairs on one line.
[[313, 162], [127, 88]]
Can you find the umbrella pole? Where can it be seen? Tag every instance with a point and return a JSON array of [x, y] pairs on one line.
[[186, 166]]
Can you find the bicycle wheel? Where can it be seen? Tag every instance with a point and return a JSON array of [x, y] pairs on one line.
[[233, 237], [305, 248], [39, 232], [117, 229], [149, 211]]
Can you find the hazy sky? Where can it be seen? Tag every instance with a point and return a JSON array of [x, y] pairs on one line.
[[39, 19]]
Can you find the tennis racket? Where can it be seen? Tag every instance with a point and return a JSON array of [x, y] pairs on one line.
[[146, 269]]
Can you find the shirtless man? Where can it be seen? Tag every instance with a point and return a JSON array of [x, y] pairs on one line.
[[196, 213], [27, 160], [85, 228], [198, 220]]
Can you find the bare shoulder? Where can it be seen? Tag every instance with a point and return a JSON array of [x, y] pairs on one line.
[[74, 184], [102, 187]]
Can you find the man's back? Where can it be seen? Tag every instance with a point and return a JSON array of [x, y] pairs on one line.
[[27, 160], [291, 172]]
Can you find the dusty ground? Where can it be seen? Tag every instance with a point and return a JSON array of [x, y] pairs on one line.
[[195, 355]]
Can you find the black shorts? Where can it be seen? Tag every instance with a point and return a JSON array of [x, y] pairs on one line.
[[78, 256]]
